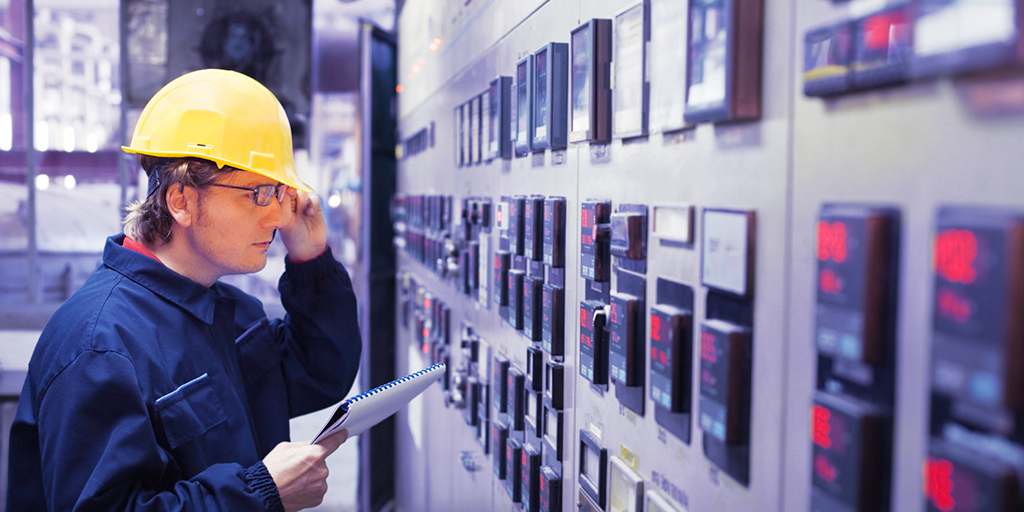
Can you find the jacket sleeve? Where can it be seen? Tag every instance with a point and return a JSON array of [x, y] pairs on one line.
[[99, 449], [322, 344]]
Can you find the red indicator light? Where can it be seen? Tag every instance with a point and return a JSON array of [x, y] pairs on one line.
[[585, 221], [426, 348], [824, 468], [938, 483], [656, 327], [820, 428], [707, 347], [955, 252], [524, 460], [583, 318], [829, 282], [832, 241], [654, 354], [952, 305], [426, 334], [426, 303], [584, 339], [664, 357], [399, 88], [499, 215], [876, 32]]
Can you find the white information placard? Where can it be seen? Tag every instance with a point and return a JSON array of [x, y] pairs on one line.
[[726, 250]]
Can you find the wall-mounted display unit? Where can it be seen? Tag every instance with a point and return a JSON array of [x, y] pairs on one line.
[[550, 96], [882, 47], [668, 64], [590, 93], [961, 36], [630, 86], [723, 79], [524, 104], [499, 143], [827, 52]]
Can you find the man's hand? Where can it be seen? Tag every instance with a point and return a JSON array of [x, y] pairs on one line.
[[305, 231], [300, 470]]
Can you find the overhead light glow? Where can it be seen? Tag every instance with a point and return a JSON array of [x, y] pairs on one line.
[[42, 182], [70, 182], [335, 200]]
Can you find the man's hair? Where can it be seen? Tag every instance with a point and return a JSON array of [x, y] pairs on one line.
[[149, 219]]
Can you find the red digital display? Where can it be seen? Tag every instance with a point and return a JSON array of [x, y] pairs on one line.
[[953, 305], [820, 428], [955, 253], [829, 282], [825, 468], [938, 483], [655, 327], [831, 241], [583, 318], [878, 30], [707, 347]]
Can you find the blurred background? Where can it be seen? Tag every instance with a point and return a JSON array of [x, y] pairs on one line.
[[74, 76]]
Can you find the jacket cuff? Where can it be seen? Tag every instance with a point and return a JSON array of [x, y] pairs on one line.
[[259, 480], [313, 271]]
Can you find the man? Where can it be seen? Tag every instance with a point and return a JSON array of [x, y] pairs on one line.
[[155, 387]]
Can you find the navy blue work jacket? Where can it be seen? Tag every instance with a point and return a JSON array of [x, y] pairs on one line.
[[148, 391]]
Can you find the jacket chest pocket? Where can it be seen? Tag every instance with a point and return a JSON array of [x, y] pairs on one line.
[[190, 411]]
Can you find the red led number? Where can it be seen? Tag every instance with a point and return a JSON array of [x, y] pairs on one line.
[[952, 305], [832, 241], [820, 428], [824, 468], [938, 483], [583, 318], [656, 327], [829, 282], [707, 347], [955, 252]]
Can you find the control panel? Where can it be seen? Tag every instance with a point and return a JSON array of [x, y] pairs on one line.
[[712, 255]]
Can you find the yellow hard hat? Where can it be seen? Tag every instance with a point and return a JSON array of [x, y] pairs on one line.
[[222, 116]]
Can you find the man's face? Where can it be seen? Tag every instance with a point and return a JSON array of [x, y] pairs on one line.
[[232, 233]]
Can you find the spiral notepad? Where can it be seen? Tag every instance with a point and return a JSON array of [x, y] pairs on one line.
[[367, 409]]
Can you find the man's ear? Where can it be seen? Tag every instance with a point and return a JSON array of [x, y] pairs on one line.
[[181, 202]]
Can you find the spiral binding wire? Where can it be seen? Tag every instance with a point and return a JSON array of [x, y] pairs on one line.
[[378, 389]]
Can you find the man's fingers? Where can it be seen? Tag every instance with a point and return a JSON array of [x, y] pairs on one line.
[[333, 441]]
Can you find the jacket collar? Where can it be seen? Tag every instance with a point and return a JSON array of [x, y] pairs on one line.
[[155, 276]]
